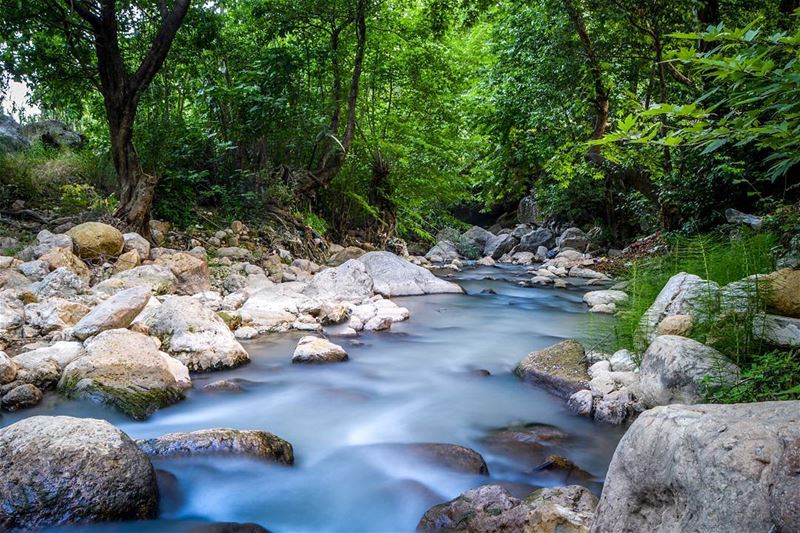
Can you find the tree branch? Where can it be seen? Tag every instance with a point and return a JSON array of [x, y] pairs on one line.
[[160, 47]]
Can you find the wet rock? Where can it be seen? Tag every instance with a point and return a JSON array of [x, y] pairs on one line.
[[116, 312], [124, 369], [194, 335], [157, 279], [441, 455], [228, 527], [84, 470], [485, 261], [312, 349], [564, 470], [560, 369], [223, 385], [220, 441], [25, 395], [347, 282], [245, 333], [394, 276], [54, 314], [192, 273], [491, 508], [581, 402], [529, 443], [730, 468], [94, 240], [673, 370]]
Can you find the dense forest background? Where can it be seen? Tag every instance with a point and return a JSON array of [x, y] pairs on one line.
[[397, 117]]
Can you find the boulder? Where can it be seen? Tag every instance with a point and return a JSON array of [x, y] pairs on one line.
[[116, 312], [11, 278], [595, 298], [345, 255], [220, 441], [532, 241], [38, 367], [95, 240], [783, 294], [54, 314], [312, 349], [61, 353], [192, 273], [53, 133], [491, 508], [528, 211], [34, 270], [706, 468], [573, 238], [737, 217], [499, 245], [781, 331], [127, 261], [680, 325], [137, 243], [62, 257], [677, 370], [194, 334], [61, 282], [477, 236], [485, 261], [11, 139], [21, 397], [394, 276], [8, 370], [559, 369], [347, 282], [157, 279], [443, 252], [124, 369], [45, 242], [84, 470], [528, 444], [581, 402], [436, 454], [622, 361]]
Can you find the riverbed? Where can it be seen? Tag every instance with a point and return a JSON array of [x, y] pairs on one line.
[[424, 381]]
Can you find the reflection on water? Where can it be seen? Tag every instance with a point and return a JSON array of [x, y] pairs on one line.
[[417, 383]]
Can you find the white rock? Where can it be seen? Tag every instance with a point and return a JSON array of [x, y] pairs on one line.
[[622, 361], [394, 276], [118, 311], [347, 282], [598, 367], [594, 298], [317, 350], [245, 333]]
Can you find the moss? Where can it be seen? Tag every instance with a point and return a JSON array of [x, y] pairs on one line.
[[136, 404]]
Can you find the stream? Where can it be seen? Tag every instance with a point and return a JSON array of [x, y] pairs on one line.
[[419, 382]]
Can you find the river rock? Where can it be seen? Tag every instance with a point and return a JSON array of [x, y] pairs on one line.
[[622, 361], [573, 238], [61, 282], [777, 330], [220, 441], [61, 352], [195, 335], [228, 527], [563, 470], [191, 272], [137, 243], [158, 279], [116, 312], [529, 443], [443, 252], [499, 245], [605, 297], [560, 369], [124, 369], [394, 276], [94, 240], [477, 236], [312, 349], [441, 455], [346, 254], [38, 367], [57, 470], [730, 468], [581, 403], [783, 295], [347, 282], [8, 370], [533, 240], [673, 369], [21, 397], [45, 242], [54, 314], [127, 261], [491, 508], [63, 257]]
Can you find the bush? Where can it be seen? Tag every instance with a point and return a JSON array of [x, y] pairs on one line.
[[772, 376], [464, 246]]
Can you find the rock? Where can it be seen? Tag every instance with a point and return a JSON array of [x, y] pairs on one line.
[[61, 282], [394, 276], [564, 470], [34, 270], [573, 238], [306, 266], [137, 243], [12, 279], [53, 133], [195, 335], [581, 402], [737, 217], [25, 395], [312, 349], [684, 294], [491, 508], [523, 258], [730, 468], [560, 369], [220, 441], [235, 253], [443, 252], [378, 323], [615, 407], [680, 325], [46, 242], [673, 370], [485, 261], [127, 261], [192, 273], [245, 333], [8, 370], [85, 470], [477, 236], [37, 367], [580, 272], [599, 367], [95, 240], [223, 385], [116, 312], [777, 330], [347, 282], [532, 241], [273, 307], [124, 369], [439, 455], [157, 279], [498, 245], [345, 255], [54, 314], [62, 353], [622, 361], [595, 298], [783, 295], [528, 211], [11, 139], [529, 443], [62, 257]]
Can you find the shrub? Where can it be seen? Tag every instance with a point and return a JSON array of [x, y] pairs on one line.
[[464, 246]]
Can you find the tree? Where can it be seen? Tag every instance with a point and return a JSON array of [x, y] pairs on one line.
[[64, 31]]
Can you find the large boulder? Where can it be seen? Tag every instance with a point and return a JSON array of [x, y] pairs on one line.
[[499, 245], [53, 133], [61, 282], [559, 369], [531, 241], [491, 508], [191, 272], [312, 349], [573, 238], [124, 369], [62, 257], [220, 441], [116, 312], [56, 470], [780, 331], [95, 240], [394, 276], [45, 242], [347, 282], [684, 294], [11, 139], [706, 468], [477, 236], [677, 370], [194, 334], [157, 279], [274, 307], [783, 294]]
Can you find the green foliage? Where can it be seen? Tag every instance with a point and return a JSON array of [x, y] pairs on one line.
[[81, 198], [313, 221], [772, 376]]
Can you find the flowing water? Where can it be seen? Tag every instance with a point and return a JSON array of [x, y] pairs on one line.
[[418, 383]]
